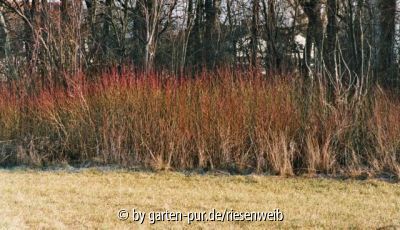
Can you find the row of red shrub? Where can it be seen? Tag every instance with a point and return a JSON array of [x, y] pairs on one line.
[[226, 120]]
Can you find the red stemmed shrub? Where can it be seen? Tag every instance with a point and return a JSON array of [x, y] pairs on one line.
[[229, 120]]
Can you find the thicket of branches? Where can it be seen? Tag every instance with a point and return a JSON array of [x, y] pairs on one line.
[[344, 40], [225, 120]]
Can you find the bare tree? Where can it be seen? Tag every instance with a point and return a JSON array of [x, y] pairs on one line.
[[65, 37], [154, 12]]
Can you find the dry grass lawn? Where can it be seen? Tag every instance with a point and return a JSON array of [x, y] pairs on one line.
[[92, 198]]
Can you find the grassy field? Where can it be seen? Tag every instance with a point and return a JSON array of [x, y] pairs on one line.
[[92, 198]]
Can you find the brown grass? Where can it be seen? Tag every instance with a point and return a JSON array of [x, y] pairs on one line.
[[91, 199], [223, 120]]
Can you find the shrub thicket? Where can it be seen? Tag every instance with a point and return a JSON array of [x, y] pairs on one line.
[[223, 120]]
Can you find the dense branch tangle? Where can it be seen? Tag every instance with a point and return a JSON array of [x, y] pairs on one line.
[[333, 38]]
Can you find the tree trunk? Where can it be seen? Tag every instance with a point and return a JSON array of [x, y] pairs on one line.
[[312, 8], [6, 43], [195, 53], [65, 17], [92, 10], [387, 16], [254, 33], [107, 38], [211, 36], [273, 56], [152, 16], [30, 10], [331, 32], [187, 35]]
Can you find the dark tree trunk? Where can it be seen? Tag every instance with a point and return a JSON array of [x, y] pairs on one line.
[[387, 14], [65, 17], [312, 9], [211, 36], [331, 32], [30, 10], [254, 33], [107, 39], [195, 54]]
